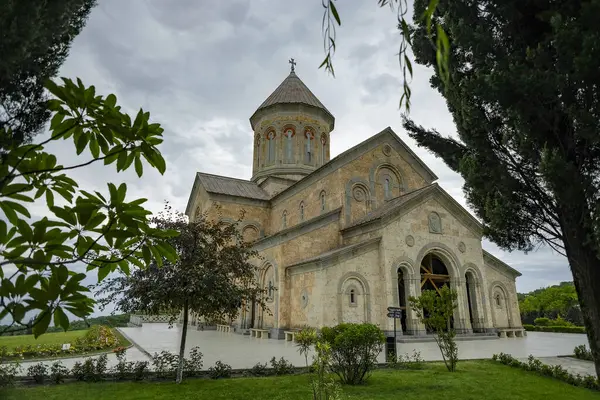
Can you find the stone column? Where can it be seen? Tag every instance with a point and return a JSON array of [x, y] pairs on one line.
[[416, 326], [462, 323]]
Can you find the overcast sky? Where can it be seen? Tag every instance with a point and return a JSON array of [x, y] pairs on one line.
[[201, 68]]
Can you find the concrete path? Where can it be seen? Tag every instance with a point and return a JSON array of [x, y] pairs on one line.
[[244, 352]]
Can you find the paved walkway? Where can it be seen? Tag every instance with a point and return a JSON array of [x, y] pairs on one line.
[[244, 352]]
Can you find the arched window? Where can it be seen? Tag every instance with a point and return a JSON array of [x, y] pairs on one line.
[[498, 300], [323, 148], [352, 296], [301, 211], [257, 151], [289, 148], [284, 219], [386, 188], [322, 196], [309, 136], [270, 289], [271, 153]]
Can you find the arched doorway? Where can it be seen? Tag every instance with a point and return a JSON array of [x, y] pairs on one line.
[[434, 275], [402, 299], [475, 314]]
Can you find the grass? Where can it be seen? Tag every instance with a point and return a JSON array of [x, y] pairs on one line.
[[48, 338], [475, 380], [57, 338]]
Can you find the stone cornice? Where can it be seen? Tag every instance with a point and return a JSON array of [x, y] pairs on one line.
[[333, 256], [433, 192], [499, 265], [227, 198], [385, 136], [298, 230]]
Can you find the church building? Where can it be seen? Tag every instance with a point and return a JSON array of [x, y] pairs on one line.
[[343, 239]]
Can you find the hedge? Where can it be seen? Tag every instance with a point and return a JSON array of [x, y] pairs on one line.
[[560, 329]]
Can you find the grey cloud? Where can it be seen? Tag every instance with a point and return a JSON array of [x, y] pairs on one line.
[[202, 67]]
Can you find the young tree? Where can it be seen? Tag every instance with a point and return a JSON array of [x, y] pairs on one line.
[[101, 233], [524, 93], [434, 310], [213, 276], [35, 41]]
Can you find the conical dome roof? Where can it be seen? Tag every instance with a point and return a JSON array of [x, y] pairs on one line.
[[291, 91]]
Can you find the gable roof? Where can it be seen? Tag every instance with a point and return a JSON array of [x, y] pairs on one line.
[[487, 256], [292, 91], [231, 186], [228, 186], [353, 153], [398, 203]]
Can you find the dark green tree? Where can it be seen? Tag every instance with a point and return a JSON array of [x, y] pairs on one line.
[[35, 41], [524, 91], [213, 276]]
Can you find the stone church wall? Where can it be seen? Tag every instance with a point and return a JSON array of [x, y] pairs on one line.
[[502, 301], [366, 171]]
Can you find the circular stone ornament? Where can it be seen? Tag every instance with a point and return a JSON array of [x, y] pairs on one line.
[[462, 247], [410, 241], [387, 150], [359, 194], [304, 298]]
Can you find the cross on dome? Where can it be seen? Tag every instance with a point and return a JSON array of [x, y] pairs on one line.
[[293, 64]]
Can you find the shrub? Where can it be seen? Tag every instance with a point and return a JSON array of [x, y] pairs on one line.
[[281, 367], [165, 364], [140, 370], [258, 370], [8, 372], [542, 321], [91, 370], [77, 371], [583, 353], [58, 372], [220, 370], [193, 365], [38, 372], [414, 361], [558, 329], [354, 350], [99, 336], [556, 371]]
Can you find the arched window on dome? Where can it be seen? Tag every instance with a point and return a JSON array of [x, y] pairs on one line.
[[301, 211], [271, 150], [323, 149], [257, 151], [322, 197], [284, 219], [308, 139], [289, 145]]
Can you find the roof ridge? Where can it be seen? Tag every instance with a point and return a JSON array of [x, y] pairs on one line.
[[227, 177]]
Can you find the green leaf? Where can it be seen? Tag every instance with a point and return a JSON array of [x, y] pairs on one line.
[[41, 323], [121, 192], [81, 142], [16, 207], [49, 198], [335, 13], [61, 319], [18, 312], [94, 148], [110, 101], [103, 271], [139, 169], [10, 213]]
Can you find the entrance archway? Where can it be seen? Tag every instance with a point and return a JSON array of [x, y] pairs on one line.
[[402, 299], [434, 275]]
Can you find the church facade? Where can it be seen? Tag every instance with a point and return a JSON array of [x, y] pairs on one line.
[[343, 239]]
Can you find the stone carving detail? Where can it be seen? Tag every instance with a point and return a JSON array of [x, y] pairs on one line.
[[387, 150], [359, 193], [461, 247], [410, 241], [435, 223], [304, 298]]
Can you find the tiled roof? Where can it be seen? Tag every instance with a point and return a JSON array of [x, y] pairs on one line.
[[389, 206], [336, 251], [232, 186], [292, 91]]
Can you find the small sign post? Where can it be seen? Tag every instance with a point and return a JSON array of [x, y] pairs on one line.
[[395, 312], [66, 346]]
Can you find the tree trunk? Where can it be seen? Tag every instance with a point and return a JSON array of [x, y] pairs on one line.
[[585, 266], [182, 345]]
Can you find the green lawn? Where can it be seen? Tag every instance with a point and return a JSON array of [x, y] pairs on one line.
[[475, 380], [47, 338]]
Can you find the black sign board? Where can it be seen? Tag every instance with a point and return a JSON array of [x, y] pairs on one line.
[[390, 309], [395, 314]]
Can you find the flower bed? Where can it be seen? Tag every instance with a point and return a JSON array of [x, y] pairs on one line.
[[97, 338]]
